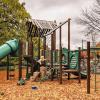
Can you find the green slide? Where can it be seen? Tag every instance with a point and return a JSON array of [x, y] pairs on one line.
[[9, 47]]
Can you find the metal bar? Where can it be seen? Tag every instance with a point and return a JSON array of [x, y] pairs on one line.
[[82, 44], [51, 57], [20, 59], [92, 49], [54, 44], [54, 40], [88, 67], [44, 51], [32, 63], [51, 32], [38, 46], [60, 48], [69, 46], [95, 72], [79, 69], [7, 67], [44, 46]]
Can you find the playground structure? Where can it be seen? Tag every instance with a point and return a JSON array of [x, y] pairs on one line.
[[71, 58]]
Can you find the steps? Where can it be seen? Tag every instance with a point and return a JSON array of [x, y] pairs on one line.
[[11, 72]]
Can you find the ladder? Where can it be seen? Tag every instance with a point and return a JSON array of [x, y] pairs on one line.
[[11, 72], [10, 69]]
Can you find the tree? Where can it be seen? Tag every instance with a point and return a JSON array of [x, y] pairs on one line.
[[91, 20], [13, 17]]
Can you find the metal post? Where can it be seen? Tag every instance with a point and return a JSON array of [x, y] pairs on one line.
[[52, 57], [54, 44], [79, 69], [95, 72], [82, 45], [60, 48], [54, 40], [44, 46], [88, 67], [69, 46], [7, 67], [31, 56], [38, 46], [20, 59]]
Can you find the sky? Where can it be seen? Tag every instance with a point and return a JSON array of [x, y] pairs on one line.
[[60, 10]]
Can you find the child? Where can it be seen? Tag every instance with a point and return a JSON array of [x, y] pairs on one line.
[[42, 66]]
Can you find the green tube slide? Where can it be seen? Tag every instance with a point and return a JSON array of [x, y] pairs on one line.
[[9, 47]]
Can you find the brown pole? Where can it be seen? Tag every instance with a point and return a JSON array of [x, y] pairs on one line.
[[7, 67], [54, 40], [44, 49], [20, 59], [69, 46], [54, 45], [44, 46], [88, 67], [38, 46], [79, 69], [51, 56], [31, 56], [60, 48]]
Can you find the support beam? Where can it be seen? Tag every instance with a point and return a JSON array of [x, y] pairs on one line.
[[7, 67], [51, 32], [31, 55], [20, 59], [38, 46], [69, 46], [79, 60], [88, 67], [44, 46], [60, 58], [54, 45], [52, 57]]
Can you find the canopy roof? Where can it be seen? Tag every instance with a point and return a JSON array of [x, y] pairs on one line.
[[40, 27]]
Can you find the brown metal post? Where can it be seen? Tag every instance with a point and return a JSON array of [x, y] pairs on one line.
[[32, 68], [7, 67], [53, 39], [20, 59], [52, 57], [31, 55], [79, 69], [44, 46], [60, 48], [30, 48], [38, 46], [69, 46], [88, 67]]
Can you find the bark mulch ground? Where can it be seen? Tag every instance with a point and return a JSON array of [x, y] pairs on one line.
[[48, 90]]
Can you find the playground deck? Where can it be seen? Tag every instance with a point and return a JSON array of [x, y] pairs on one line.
[[48, 90]]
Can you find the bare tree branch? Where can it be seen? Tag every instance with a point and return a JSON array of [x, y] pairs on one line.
[[90, 18]]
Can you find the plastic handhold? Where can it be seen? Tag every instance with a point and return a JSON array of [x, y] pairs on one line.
[[34, 88]]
